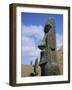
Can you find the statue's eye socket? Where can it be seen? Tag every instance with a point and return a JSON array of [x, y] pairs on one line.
[[47, 28]]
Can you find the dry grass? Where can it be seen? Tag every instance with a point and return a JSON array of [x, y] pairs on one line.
[[27, 69]]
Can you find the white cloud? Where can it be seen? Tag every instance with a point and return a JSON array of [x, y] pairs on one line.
[[27, 42], [59, 40], [31, 35], [33, 31]]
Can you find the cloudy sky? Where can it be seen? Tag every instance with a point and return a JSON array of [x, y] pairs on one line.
[[32, 34]]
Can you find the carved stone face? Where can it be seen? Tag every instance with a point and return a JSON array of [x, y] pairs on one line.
[[47, 28]]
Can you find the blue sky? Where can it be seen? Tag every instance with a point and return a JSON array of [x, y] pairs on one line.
[[32, 34]]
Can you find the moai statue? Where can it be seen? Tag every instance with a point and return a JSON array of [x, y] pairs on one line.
[[48, 62]]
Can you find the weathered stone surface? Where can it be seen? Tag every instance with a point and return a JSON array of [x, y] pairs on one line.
[[52, 69], [43, 57]]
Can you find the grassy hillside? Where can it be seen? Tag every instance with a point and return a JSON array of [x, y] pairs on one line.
[[27, 69]]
